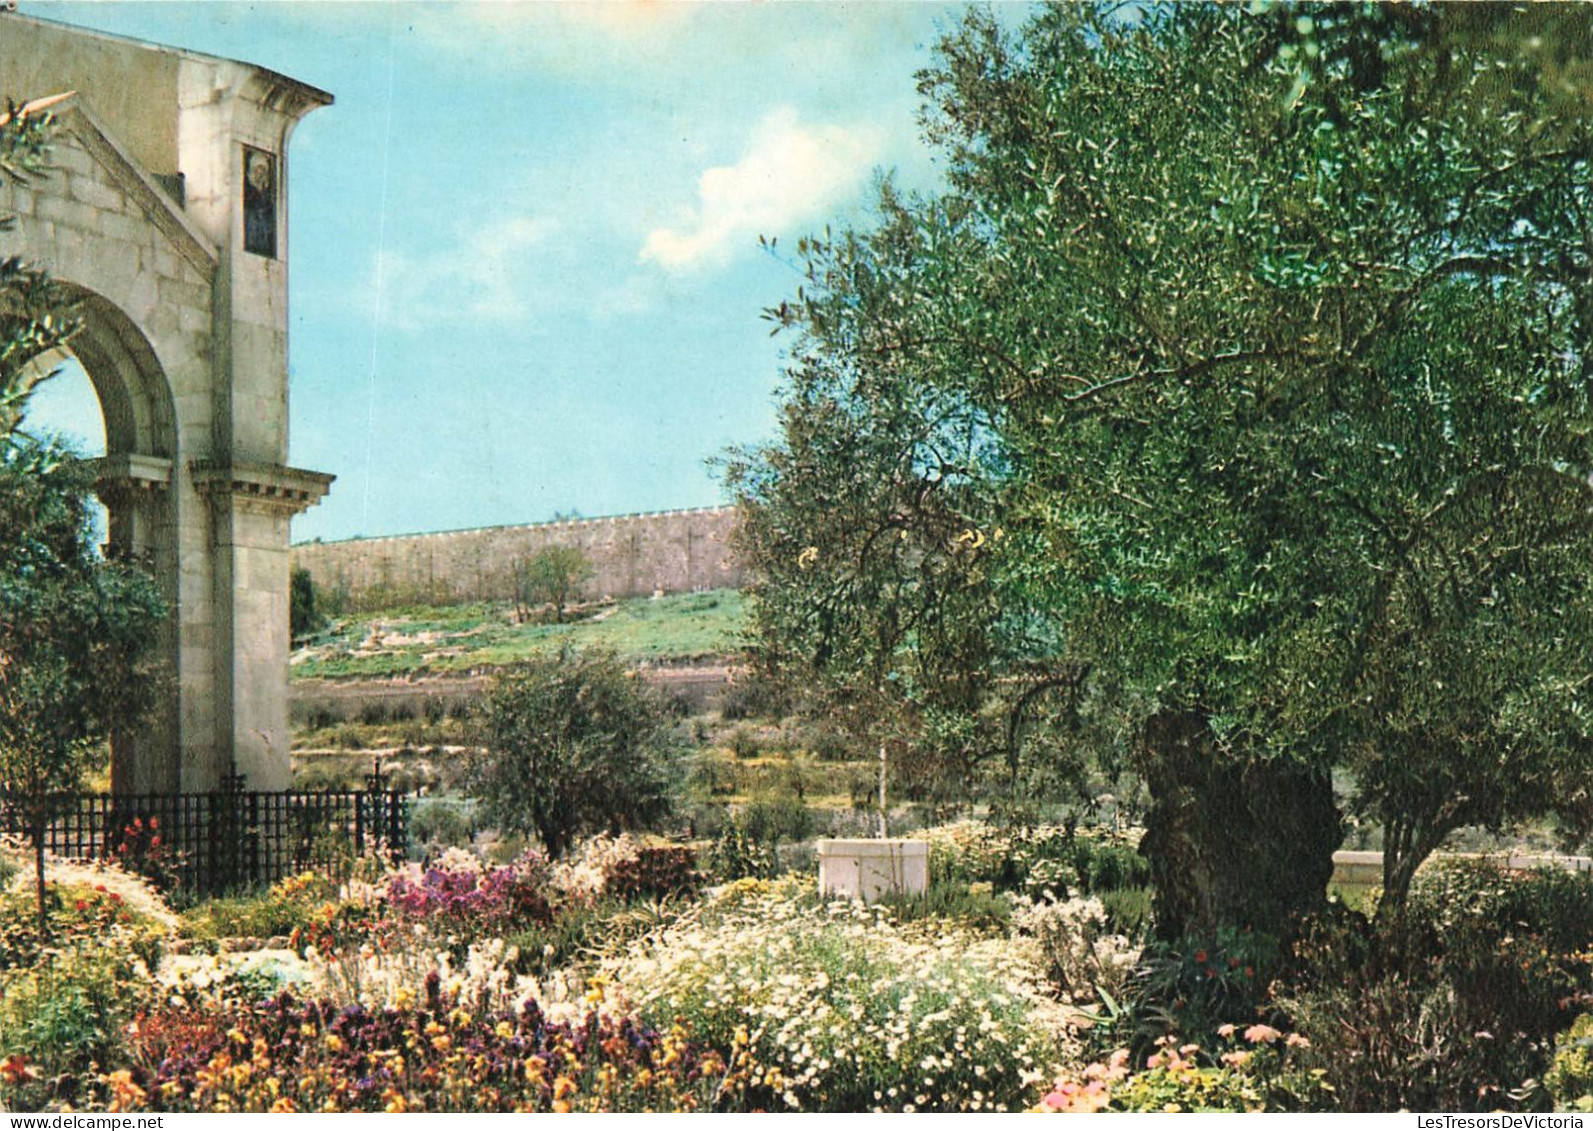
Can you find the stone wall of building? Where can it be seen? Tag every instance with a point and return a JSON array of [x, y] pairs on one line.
[[633, 555]]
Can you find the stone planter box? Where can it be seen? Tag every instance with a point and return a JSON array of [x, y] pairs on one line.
[[868, 869]]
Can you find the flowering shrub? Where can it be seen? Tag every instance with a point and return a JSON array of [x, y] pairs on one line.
[[1570, 1077], [834, 1007], [79, 914], [1082, 955], [142, 849], [473, 903], [1251, 1070], [1454, 1004]]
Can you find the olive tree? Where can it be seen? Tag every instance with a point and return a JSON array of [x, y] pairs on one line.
[[575, 744], [1277, 372]]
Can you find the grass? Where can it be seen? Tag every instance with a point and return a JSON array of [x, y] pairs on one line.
[[468, 638]]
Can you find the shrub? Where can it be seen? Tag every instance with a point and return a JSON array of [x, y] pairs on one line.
[[774, 820], [80, 915], [972, 906], [1570, 1076], [738, 855], [1083, 957], [575, 744], [439, 824], [653, 873], [276, 912], [1452, 1005], [840, 1009], [65, 1015], [1036, 859]]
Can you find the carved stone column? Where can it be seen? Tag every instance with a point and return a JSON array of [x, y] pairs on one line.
[[250, 509]]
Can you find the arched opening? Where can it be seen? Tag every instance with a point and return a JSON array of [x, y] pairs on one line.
[[65, 409], [109, 399]]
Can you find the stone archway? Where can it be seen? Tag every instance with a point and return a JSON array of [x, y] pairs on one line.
[[166, 214]]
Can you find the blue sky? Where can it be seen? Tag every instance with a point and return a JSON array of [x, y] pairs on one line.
[[525, 272]]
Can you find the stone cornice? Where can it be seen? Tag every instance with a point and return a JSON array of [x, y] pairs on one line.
[[140, 188], [128, 476], [288, 490]]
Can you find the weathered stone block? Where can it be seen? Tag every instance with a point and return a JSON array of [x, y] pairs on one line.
[[96, 194], [868, 869]]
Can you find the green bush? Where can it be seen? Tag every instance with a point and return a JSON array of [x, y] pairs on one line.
[[65, 1015], [286, 906], [1570, 1076], [440, 824], [975, 907], [1454, 1004], [737, 854], [576, 744], [775, 820]]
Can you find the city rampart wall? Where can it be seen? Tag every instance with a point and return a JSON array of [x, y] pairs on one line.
[[632, 555]]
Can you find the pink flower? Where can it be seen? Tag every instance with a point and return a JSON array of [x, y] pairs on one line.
[[1296, 1041], [1226, 1031], [1258, 1034]]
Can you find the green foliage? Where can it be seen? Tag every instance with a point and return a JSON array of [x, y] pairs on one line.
[[553, 576], [973, 906], [1452, 1004], [305, 618], [738, 854], [468, 638], [66, 1014], [576, 744], [1264, 408], [275, 913], [775, 819], [1570, 1077]]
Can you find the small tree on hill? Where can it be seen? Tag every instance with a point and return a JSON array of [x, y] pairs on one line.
[[304, 617], [552, 576], [575, 744]]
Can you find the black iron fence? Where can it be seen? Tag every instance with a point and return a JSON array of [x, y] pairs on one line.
[[228, 838]]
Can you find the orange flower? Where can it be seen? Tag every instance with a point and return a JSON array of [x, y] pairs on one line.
[[14, 1069]]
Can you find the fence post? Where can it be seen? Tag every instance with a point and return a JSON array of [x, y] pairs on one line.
[[225, 833]]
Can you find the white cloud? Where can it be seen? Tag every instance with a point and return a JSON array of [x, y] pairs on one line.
[[788, 173], [493, 273]]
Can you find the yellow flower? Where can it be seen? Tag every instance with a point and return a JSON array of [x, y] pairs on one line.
[[334, 1042], [563, 1088]]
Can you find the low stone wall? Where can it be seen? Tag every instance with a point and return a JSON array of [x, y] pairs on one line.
[[633, 555], [1365, 869]]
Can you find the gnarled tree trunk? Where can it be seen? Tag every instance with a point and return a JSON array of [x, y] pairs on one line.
[[1232, 842]]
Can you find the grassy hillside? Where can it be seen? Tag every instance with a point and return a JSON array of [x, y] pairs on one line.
[[465, 638]]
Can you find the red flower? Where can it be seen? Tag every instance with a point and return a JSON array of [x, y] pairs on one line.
[[1200, 958], [154, 822], [82, 905]]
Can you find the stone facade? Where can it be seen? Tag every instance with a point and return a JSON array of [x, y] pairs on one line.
[[633, 555], [185, 341]]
